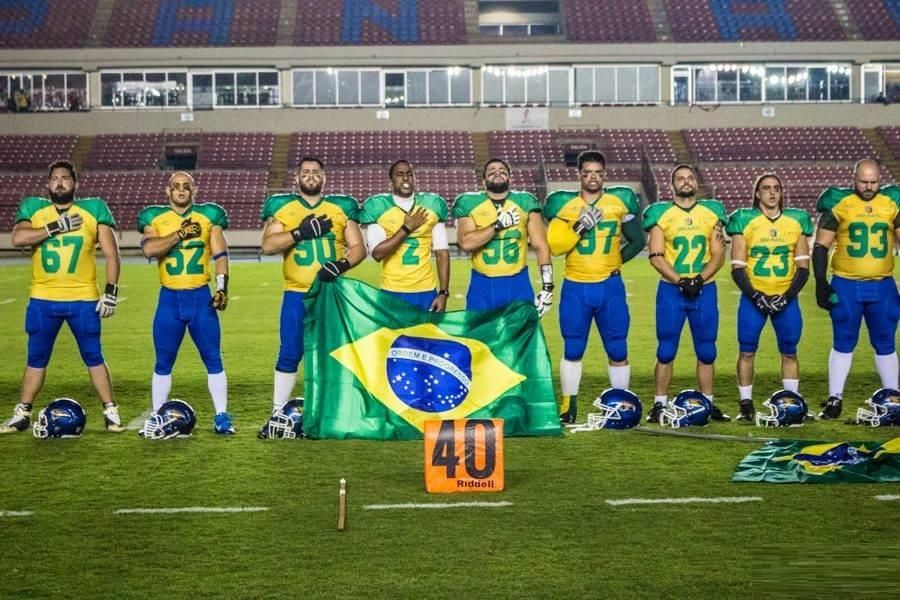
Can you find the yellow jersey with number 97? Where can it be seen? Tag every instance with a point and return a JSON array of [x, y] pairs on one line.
[[688, 232], [303, 260], [64, 267]]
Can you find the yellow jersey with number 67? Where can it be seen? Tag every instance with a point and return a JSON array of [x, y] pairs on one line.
[[64, 267], [864, 239], [187, 265], [303, 260], [688, 232], [505, 254]]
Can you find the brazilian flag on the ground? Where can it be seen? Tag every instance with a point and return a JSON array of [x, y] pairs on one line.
[[378, 368], [803, 461]]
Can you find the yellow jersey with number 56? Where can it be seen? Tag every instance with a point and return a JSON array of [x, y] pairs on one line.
[[302, 261], [864, 239], [688, 232], [64, 267], [187, 265], [505, 254]]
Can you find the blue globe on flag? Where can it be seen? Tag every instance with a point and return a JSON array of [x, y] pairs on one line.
[[430, 375]]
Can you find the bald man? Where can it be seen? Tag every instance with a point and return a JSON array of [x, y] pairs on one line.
[[184, 238], [862, 223]]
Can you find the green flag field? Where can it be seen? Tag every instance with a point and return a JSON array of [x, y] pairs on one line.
[[601, 514]]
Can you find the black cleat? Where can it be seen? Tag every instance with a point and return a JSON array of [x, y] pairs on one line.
[[655, 412], [566, 419], [832, 409], [717, 415], [748, 413], [263, 432]]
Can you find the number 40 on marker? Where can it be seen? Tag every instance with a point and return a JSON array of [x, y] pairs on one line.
[[464, 455]]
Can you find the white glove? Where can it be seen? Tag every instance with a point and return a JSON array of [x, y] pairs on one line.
[[543, 302], [64, 224], [506, 219], [106, 305], [587, 220]]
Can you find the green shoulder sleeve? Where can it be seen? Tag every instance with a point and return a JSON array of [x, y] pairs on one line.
[[466, 203], [215, 213], [717, 207], [802, 217], [653, 213], [29, 206], [627, 196], [435, 204], [147, 215], [348, 204], [373, 208], [98, 208], [275, 203], [739, 219], [830, 198], [556, 201], [525, 201], [892, 192]]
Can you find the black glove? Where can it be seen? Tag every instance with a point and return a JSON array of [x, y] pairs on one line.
[[189, 230], [331, 270], [311, 227], [825, 294], [763, 303], [778, 303], [64, 224], [690, 287]]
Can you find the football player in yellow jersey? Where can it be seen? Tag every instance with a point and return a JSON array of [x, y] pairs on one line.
[[862, 223], [62, 233], [184, 237], [587, 226], [317, 236], [770, 265], [496, 226], [687, 248], [403, 228]]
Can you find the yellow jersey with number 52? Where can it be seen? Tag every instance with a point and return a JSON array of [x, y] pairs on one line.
[[187, 265], [864, 240], [302, 261], [64, 267]]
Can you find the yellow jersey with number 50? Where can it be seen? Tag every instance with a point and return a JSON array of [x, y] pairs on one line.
[[302, 261], [864, 239], [505, 254], [187, 265], [688, 232], [64, 267]]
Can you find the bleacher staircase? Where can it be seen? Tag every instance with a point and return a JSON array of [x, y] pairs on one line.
[[81, 150], [286, 21], [660, 20], [100, 23], [883, 152], [279, 167], [846, 19], [481, 150]]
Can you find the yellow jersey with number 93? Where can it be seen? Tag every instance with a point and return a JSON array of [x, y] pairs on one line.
[[688, 232], [64, 267], [302, 261], [187, 265], [864, 240], [505, 254]]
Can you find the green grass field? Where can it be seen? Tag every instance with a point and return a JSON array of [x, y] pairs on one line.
[[558, 538]]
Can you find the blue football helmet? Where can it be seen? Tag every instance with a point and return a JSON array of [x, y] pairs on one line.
[[786, 409], [287, 423], [174, 418], [885, 405], [62, 418], [619, 409], [690, 407]]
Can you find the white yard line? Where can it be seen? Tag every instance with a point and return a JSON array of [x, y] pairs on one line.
[[137, 423], [888, 497], [724, 500], [15, 513], [437, 505], [7, 300], [190, 509]]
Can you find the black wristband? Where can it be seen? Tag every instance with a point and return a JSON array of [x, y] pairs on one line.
[[444, 293], [655, 254], [406, 229], [111, 289]]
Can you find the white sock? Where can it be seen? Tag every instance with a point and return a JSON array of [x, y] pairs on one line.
[[620, 377], [838, 369], [284, 387], [160, 387], [218, 389], [664, 400], [886, 365], [791, 385], [569, 377], [711, 399], [745, 392]]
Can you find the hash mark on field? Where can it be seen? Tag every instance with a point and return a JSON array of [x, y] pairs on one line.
[[235, 298], [190, 509], [7, 301], [15, 513], [139, 422], [438, 505], [264, 284], [723, 500], [888, 497]]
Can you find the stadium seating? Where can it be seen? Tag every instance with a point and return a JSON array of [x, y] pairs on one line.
[[216, 150], [612, 21], [423, 148], [891, 136], [46, 24], [618, 145], [778, 144], [236, 150], [125, 151], [33, 152], [876, 19]]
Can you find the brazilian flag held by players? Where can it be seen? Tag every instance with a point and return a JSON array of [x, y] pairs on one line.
[[378, 368]]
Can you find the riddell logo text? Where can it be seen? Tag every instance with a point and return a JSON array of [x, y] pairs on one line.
[[474, 484]]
